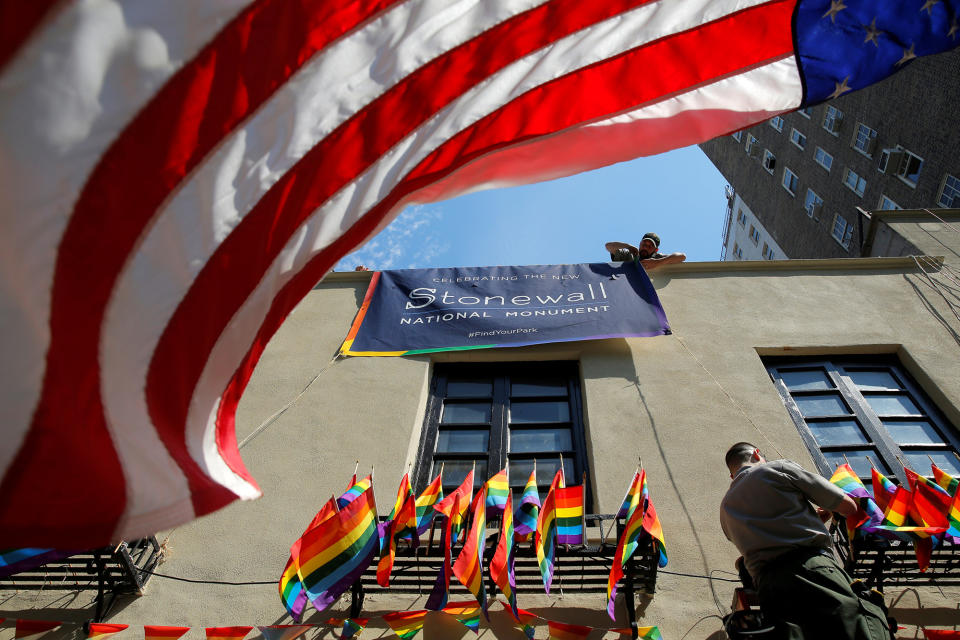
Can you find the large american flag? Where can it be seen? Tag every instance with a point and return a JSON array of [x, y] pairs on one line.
[[176, 175]]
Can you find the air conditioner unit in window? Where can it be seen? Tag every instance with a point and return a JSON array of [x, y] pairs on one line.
[[755, 151], [815, 209], [890, 161]]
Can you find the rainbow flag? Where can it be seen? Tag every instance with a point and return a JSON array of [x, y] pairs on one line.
[[227, 633], [100, 631], [401, 523], [497, 491], [356, 488], [932, 500], [425, 502], [525, 520], [27, 628], [629, 539], [953, 516], [284, 631], [559, 481], [546, 538], [636, 487], [944, 479], [292, 595], [867, 510], [406, 624], [524, 620], [469, 565], [445, 506], [154, 632], [651, 524], [883, 489], [351, 626], [563, 631], [569, 503], [438, 596], [335, 553], [501, 565], [466, 613]]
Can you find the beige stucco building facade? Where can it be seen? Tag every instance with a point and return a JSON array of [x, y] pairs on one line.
[[678, 401]]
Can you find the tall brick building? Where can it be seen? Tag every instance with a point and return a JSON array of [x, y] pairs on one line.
[[810, 177]]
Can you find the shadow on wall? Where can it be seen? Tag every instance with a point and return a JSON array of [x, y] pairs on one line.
[[617, 362]]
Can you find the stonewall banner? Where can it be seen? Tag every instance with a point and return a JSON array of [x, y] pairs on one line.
[[412, 311]]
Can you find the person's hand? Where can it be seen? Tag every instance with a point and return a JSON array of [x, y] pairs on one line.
[[823, 514]]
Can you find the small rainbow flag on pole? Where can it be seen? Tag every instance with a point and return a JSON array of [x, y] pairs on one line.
[[944, 479], [569, 502], [523, 620], [402, 522], [27, 628], [351, 626], [545, 539], [284, 631], [563, 631], [636, 488], [498, 488], [438, 597], [883, 489], [525, 520], [335, 553], [651, 524], [868, 512], [445, 506], [466, 613], [154, 632], [406, 624], [629, 539], [501, 565], [469, 565], [227, 633], [101, 631], [425, 502]]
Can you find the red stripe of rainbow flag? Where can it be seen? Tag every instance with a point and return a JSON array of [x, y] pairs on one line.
[[154, 632], [99, 631], [545, 539], [227, 633]]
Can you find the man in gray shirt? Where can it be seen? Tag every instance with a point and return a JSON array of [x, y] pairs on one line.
[[767, 513]]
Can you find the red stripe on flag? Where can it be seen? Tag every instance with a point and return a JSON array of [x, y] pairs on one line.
[[18, 20], [225, 282], [228, 79], [736, 48], [26, 628]]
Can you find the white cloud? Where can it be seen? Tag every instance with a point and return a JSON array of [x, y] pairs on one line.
[[411, 241]]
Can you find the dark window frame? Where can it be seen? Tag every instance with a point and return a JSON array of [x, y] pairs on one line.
[[497, 454], [879, 438]]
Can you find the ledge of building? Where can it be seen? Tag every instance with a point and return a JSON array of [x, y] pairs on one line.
[[737, 266], [916, 215]]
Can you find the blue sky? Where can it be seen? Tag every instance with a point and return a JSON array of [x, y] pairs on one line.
[[677, 194]]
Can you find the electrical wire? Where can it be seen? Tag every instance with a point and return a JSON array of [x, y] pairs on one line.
[[712, 615], [220, 582]]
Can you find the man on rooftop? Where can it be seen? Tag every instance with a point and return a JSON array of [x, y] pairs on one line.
[[647, 254]]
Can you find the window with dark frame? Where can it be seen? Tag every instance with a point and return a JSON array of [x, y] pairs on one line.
[[867, 411], [507, 414]]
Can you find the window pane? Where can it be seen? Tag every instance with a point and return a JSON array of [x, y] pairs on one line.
[[546, 469], [466, 412], [912, 432], [525, 412], [525, 387], [919, 461], [857, 460], [470, 388], [463, 441], [806, 380], [874, 380], [524, 440], [821, 405], [897, 405], [454, 471], [838, 432]]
